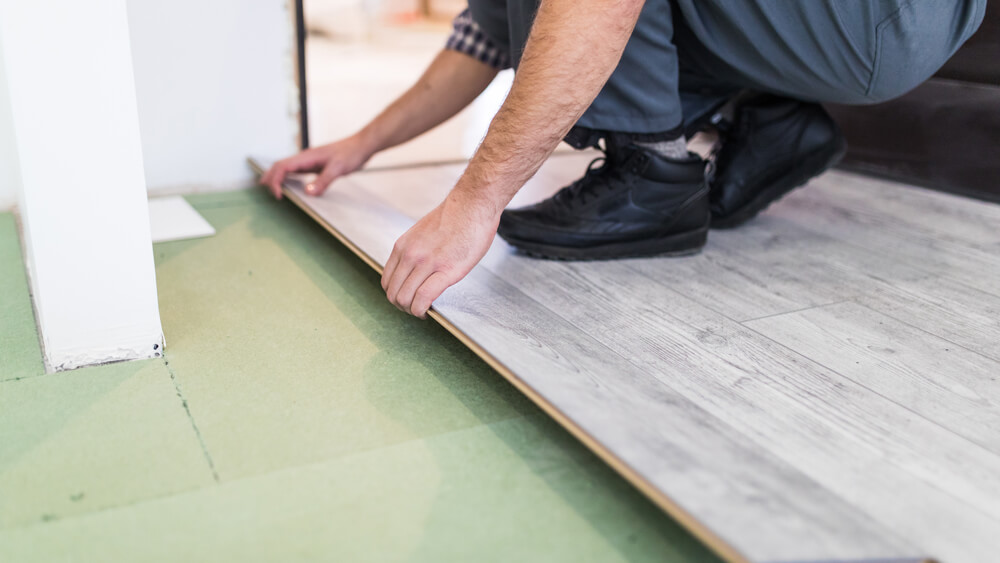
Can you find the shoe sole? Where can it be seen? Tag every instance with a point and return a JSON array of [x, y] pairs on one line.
[[681, 244], [821, 160]]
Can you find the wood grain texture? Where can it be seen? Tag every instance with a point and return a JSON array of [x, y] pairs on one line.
[[797, 392], [965, 316], [944, 383], [850, 440], [917, 233]]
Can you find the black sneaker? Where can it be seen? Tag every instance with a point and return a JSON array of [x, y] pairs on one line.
[[774, 146], [635, 203]]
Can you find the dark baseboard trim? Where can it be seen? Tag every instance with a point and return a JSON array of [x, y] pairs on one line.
[[943, 135]]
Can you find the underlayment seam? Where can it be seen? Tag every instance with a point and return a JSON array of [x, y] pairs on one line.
[[194, 425], [311, 464], [21, 377]]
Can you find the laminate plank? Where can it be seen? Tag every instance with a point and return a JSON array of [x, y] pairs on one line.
[[934, 378], [705, 466], [763, 270], [916, 240], [768, 266], [760, 270], [415, 191], [874, 453], [943, 307], [931, 211]]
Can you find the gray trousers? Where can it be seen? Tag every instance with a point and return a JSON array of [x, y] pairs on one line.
[[686, 56]]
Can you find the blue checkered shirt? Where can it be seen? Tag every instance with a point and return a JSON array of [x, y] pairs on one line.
[[468, 38]]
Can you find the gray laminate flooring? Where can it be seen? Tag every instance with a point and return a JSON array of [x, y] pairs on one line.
[[821, 384]]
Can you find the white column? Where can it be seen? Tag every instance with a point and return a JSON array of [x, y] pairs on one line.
[[82, 195]]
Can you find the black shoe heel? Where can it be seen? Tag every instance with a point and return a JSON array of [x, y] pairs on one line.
[[820, 160]]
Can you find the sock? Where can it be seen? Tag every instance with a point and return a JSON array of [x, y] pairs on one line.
[[675, 149]]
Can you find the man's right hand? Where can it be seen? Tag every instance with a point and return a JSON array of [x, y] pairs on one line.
[[329, 161]]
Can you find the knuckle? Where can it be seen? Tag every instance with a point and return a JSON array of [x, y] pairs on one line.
[[408, 259]]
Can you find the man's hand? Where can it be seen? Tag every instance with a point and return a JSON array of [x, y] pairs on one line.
[[449, 84], [558, 78], [329, 161], [437, 252]]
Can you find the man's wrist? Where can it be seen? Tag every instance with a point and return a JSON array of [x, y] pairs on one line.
[[369, 139], [486, 200]]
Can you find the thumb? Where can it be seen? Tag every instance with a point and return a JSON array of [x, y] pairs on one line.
[[323, 181]]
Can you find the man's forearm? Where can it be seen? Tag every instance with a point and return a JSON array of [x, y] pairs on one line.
[[559, 76], [450, 83]]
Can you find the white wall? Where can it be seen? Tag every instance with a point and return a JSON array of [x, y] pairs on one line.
[[82, 196], [215, 81], [9, 176]]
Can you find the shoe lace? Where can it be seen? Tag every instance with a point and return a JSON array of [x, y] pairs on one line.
[[595, 182]]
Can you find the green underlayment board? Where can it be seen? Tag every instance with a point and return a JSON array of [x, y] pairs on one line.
[[296, 416], [19, 349]]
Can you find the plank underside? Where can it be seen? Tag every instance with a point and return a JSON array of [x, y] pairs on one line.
[[819, 385]]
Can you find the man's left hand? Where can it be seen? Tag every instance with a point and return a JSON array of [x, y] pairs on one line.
[[436, 253]]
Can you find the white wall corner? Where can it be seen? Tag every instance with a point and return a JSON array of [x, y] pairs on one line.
[[84, 215]]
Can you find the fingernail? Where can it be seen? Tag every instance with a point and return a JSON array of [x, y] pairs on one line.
[[310, 188]]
